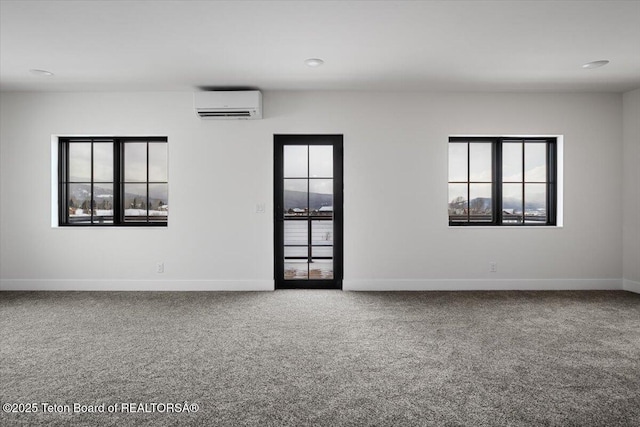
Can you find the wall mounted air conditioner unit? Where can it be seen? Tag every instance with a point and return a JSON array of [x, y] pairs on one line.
[[228, 104]]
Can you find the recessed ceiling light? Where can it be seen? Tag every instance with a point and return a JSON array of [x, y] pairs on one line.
[[595, 64], [314, 62], [41, 73]]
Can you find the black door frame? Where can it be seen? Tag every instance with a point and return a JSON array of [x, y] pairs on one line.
[[279, 141]]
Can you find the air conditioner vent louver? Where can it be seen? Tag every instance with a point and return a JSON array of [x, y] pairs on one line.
[[224, 113], [245, 104]]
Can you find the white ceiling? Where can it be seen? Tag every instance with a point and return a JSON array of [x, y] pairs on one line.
[[95, 45]]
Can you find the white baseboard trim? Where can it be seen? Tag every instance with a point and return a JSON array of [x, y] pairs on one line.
[[481, 284], [631, 286], [134, 285], [348, 285]]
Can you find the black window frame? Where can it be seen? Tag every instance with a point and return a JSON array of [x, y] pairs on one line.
[[497, 182], [118, 219]]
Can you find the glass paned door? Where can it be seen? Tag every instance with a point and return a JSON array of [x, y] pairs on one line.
[[308, 216]]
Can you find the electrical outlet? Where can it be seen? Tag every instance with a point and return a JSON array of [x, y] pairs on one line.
[[160, 267], [493, 267]]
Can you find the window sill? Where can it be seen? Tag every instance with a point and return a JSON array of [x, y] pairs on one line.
[[507, 227], [138, 226]]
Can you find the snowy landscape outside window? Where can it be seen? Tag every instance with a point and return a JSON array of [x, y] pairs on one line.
[[502, 181], [107, 181]]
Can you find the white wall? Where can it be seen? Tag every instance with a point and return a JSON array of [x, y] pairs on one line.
[[631, 190], [396, 232]]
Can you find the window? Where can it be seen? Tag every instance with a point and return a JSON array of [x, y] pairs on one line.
[[113, 181], [502, 181]]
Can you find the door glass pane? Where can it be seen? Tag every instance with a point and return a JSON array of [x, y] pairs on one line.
[[320, 195], [102, 162], [296, 269], [321, 161], [322, 251], [480, 162], [457, 161], [512, 162], [135, 201], [135, 162], [308, 211], [295, 161], [296, 232], [321, 269], [79, 162], [322, 233], [458, 202], [158, 162], [295, 197], [535, 202], [296, 252], [512, 203], [480, 202], [535, 162]]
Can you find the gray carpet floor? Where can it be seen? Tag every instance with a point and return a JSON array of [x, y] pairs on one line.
[[325, 358]]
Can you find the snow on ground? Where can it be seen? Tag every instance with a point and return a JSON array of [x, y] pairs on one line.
[[127, 212]]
